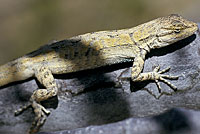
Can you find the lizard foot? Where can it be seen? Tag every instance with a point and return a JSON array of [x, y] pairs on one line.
[[157, 75], [40, 117]]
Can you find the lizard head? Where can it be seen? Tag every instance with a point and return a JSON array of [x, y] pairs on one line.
[[171, 29]]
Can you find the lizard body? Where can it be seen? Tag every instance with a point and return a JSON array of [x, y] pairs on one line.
[[93, 50]]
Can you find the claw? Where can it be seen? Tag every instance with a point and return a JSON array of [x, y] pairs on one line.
[[39, 121], [40, 117], [158, 85], [170, 77], [164, 70], [156, 76], [21, 110], [162, 78], [156, 69], [169, 84]]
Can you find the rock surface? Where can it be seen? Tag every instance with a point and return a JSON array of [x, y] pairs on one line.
[[115, 109]]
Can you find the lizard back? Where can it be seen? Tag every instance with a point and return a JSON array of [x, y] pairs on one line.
[[86, 51]]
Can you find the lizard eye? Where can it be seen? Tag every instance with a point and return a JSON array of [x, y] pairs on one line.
[[177, 31]]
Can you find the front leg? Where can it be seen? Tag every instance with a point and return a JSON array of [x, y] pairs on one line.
[[156, 75], [45, 77]]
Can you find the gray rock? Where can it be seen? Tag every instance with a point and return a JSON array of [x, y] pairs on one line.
[[115, 109], [174, 121]]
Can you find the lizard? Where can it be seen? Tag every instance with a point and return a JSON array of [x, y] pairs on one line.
[[93, 50]]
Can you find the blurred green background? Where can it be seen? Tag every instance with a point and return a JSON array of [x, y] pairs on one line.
[[27, 24]]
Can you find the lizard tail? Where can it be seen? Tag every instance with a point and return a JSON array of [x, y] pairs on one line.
[[14, 71]]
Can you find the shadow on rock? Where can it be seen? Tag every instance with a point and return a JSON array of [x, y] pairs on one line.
[[173, 121]]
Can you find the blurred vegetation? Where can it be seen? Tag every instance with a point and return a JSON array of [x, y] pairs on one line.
[[26, 25]]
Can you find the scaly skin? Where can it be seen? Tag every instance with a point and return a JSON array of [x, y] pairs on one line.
[[93, 50]]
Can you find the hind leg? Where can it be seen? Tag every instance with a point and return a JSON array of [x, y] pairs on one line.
[[45, 77]]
